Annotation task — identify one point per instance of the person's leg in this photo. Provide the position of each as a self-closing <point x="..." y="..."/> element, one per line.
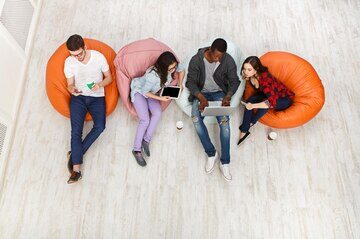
<point x="259" y="113"/>
<point x="78" y="112"/>
<point x="201" y="129"/>
<point x="249" y="116"/>
<point x="142" y="110"/>
<point x="156" y="111"/>
<point x="245" y="126"/>
<point x="224" y="124"/>
<point x="97" y="109"/>
<point x="216" y="96"/>
<point x="283" y="103"/>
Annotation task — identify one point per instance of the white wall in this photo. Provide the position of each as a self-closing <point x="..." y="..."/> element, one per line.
<point x="13" y="66"/>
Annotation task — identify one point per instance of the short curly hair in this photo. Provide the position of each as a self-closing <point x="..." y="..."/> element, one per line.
<point x="219" y="44"/>
<point x="75" y="42"/>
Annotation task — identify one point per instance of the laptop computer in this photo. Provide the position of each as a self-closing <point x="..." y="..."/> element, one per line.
<point x="215" y="109"/>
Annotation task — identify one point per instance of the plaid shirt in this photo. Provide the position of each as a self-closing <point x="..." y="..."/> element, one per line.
<point x="273" y="89"/>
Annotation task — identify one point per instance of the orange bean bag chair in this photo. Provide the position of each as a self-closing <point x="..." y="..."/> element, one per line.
<point x="301" y="78"/>
<point x="56" y="85"/>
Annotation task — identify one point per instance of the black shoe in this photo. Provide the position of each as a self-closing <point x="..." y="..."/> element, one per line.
<point x="69" y="162"/>
<point x="145" y="148"/>
<point x="75" y="176"/>
<point x="139" y="158"/>
<point x="251" y="125"/>
<point x="243" y="138"/>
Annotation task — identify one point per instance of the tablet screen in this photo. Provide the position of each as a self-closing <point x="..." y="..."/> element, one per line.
<point x="171" y="91"/>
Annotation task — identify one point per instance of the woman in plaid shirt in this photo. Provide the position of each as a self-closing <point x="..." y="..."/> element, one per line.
<point x="270" y="93"/>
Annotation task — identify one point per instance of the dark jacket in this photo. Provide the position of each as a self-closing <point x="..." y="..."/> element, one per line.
<point x="225" y="75"/>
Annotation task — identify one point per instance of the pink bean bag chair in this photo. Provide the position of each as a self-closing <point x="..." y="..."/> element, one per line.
<point x="132" y="61"/>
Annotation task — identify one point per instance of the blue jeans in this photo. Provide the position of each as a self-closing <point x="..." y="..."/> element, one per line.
<point x="203" y="134"/>
<point x="79" y="106"/>
<point x="251" y="117"/>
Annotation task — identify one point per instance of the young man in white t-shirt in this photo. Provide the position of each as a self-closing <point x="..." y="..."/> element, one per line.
<point x="87" y="73"/>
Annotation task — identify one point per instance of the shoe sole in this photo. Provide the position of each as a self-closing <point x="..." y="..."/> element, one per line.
<point x="246" y="136"/>
<point x="222" y="174"/>
<point x="211" y="170"/>
<point x="228" y="180"/>
<point x="71" y="182"/>
<point x="144" y="152"/>
<point x="142" y="165"/>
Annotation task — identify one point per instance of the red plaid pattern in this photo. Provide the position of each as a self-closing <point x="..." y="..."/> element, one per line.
<point x="273" y="89"/>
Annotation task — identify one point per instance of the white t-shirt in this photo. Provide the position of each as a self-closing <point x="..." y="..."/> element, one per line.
<point x="87" y="73"/>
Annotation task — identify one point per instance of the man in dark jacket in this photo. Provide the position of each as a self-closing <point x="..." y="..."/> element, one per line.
<point x="212" y="76"/>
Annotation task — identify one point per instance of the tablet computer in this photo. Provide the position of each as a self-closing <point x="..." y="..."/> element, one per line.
<point x="172" y="91"/>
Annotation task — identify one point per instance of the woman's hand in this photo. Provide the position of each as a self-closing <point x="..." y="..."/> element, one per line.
<point x="156" y="97"/>
<point x="165" y="98"/>
<point x="244" y="76"/>
<point x="249" y="106"/>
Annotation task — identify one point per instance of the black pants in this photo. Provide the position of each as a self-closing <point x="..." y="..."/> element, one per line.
<point x="251" y="117"/>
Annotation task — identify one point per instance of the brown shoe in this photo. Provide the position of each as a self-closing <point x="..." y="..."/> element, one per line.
<point x="75" y="176"/>
<point x="69" y="162"/>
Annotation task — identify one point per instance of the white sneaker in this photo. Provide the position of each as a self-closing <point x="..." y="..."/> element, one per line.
<point x="225" y="170"/>
<point x="210" y="163"/>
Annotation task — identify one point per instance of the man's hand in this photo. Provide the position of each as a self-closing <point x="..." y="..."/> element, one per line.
<point x="226" y="101"/>
<point x="203" y="102"/>
<point x="95" y="87"/>
<point x="73" y="90"/>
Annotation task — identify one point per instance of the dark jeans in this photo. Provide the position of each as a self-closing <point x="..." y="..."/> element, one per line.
<point x="79" y="106"/>
<point x="203" y="134"/>
<point x="252" y="116"/>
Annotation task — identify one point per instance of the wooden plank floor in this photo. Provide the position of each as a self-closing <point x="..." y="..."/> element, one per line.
<point x="306" y="184"/>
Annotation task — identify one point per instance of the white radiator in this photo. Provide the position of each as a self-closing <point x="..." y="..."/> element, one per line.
<point x="3" y="130"/>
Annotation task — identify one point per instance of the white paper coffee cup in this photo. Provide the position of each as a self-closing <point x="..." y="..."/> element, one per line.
<point x="179" y="125"/>
<point x="272" y="135"/>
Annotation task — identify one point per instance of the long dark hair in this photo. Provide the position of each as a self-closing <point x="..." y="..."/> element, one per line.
<point x="255" y="62"/>
<point x="162" y="64"/>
